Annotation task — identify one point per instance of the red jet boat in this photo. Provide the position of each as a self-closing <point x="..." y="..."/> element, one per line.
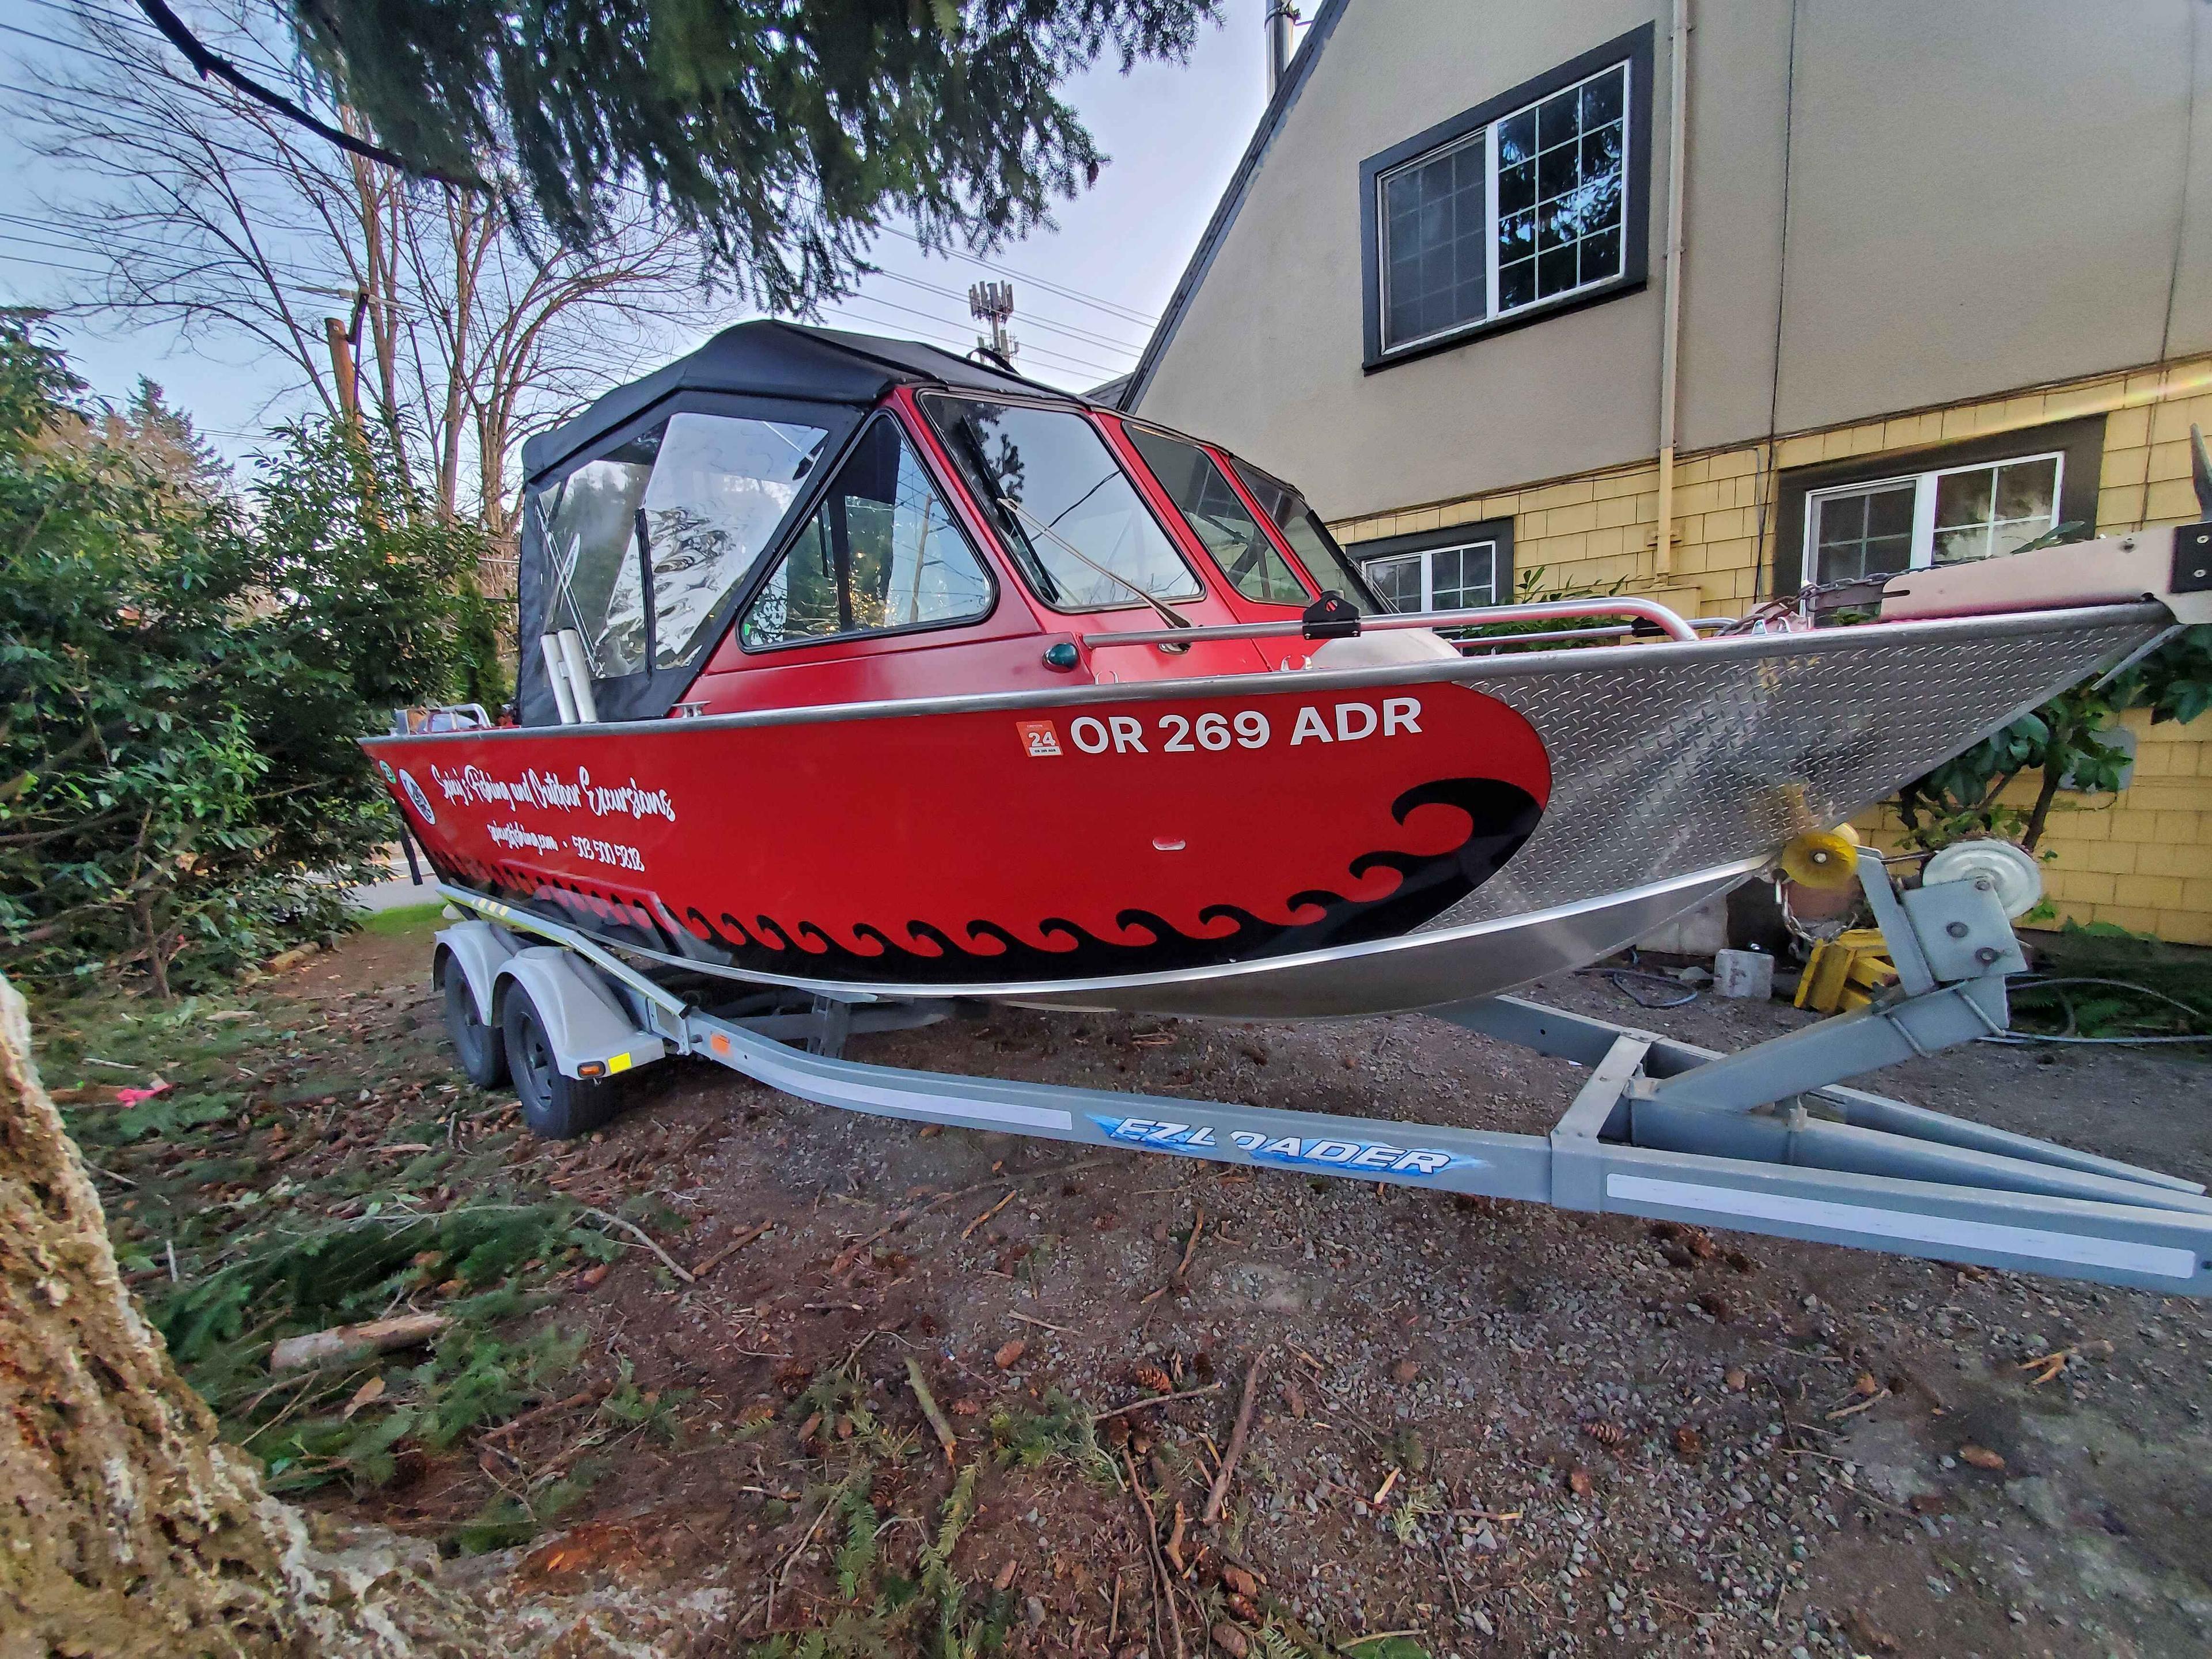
<point x="852" y="665"/>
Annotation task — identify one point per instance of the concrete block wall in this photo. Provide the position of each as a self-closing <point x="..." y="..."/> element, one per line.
<point x="2142" y="860"/>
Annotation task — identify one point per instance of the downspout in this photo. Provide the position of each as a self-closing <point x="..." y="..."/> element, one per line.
<point x="1281" y="15"/>
<point x="1670" y="339"/>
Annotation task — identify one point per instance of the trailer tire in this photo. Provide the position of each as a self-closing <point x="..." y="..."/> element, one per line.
<point x="555" y="1105"/>
<point x="482" y="1049"/>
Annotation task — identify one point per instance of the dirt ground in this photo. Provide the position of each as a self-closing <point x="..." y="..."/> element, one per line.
<point x="1480" y="1428"/>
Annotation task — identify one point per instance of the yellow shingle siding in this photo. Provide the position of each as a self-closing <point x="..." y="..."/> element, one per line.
<point x="2142" y="860"/>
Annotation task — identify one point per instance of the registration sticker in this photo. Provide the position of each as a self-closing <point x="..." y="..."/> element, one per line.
<point x="415" y="793"/>
<point x="1039" y="740"/>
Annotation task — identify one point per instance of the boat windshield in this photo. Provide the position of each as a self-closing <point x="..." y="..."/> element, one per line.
<point x="1062" y="504"/>
<point x="1310" y="538"/>
<point x="1218" y="518"/>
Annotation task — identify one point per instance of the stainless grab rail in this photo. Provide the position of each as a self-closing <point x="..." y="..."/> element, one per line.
<point x="1666" y="620"/>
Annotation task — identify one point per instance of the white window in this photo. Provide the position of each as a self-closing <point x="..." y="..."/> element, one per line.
<point x="1526" y="209"/>
<point x="1863" y="532"/>
<point x="1437" y="578"/>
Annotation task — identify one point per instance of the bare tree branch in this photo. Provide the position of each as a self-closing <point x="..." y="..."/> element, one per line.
<point x="208" y="214"/>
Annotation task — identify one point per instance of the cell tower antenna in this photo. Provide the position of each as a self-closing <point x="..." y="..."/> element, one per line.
<point x="993" y="303"/>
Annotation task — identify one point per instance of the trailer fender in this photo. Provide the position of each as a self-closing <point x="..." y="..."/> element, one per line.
<point x="585" y="1021"/>
<point x="478" y="949"/>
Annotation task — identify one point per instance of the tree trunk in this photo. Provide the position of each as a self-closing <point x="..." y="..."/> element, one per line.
<point x="127" y="1528"/>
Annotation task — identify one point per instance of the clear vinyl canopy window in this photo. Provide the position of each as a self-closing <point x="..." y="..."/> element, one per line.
<point x="589" y="522"/>
<point x="645" y="543"/>
<point x="719" y="489"/>
<point x="1525" y="208"/>
<point x="1950" y="515"/>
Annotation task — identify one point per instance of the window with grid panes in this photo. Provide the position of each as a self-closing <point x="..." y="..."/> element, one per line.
<point x="1526" y="209"/>
<point x="1946" y="515"/>
<point x="1437" y="577"/>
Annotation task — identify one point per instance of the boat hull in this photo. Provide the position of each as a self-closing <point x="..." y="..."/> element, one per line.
<point x="1261" y="846"/>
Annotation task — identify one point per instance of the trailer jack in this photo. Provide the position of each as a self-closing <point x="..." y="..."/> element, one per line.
<point x="1766" y="1141"/>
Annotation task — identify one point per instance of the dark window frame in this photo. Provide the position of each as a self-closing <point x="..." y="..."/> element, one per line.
<point x="2081" y="442"/>
<point x="757" y="581"/>
<point x="1499" y="531"/>
<point x="1635" y="49"/>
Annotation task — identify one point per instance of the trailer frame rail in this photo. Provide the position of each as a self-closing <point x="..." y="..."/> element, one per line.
<point x="1765" y="1140"/>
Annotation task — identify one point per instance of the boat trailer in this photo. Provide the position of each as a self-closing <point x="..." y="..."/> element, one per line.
<point x="1765" y="1140"/>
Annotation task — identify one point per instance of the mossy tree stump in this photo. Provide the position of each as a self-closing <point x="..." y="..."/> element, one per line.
<point x="126" y="1526"/>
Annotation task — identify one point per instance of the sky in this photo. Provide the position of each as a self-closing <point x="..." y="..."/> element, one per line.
<point x="1085" y="293"/>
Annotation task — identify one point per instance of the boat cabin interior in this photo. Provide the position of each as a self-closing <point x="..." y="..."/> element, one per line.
<point x="795" y="516"/>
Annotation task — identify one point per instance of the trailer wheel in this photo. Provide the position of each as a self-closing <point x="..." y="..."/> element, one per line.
<point x="553" y="1105"/>
<point x="482" y="1047"/>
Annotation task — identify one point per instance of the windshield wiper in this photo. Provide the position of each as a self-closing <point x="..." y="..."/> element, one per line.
<point x="1172" y="617"/>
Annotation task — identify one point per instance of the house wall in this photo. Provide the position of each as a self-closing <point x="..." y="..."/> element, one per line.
<point x="2143" y="859"/>
<point x="1906" y="225"/>
<point x="1266" y="359"/>
<point x="1889" y="205"/>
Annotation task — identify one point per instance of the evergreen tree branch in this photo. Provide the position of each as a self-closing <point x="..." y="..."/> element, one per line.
<point x="210" y="63"/>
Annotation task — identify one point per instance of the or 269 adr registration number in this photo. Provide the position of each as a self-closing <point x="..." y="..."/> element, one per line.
<point x="1214" y="731"/>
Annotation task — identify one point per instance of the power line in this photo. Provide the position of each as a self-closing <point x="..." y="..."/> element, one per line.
<point x="1143" y="319"/>
<point x="138" y="26"/>
<point x="1111" y="307"/>
<point x="957" y="346"/>
<point x="48" y="39"/>
<point x="48" y="264"/>
<point x="135" y="242"/>
<point x="304" y="278"/>
<point x="1082" y="334"/>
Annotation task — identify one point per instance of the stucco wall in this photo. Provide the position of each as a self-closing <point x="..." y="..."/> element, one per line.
<point x="1267" y="358"/>
<point x="1980" y="195"/>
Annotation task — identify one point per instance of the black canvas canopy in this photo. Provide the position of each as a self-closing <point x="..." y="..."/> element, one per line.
<point x="647" y="585"/>
<point x="774" y="360"/>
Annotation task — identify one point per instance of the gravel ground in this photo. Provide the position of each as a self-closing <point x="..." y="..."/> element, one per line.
<point x="1495" y="1427"/>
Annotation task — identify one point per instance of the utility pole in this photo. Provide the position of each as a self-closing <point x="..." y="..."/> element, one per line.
<point x="335" y="336"/>
<point x="993" y="303"/>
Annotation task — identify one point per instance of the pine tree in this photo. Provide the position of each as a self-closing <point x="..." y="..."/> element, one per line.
<point x="783" y="132"/>
<point x="165" y="439"/>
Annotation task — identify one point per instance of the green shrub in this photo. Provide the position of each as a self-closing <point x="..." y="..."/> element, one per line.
<point x="184" y="673"/>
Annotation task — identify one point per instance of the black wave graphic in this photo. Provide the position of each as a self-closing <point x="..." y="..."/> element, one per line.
<point x="1501" y="817"/>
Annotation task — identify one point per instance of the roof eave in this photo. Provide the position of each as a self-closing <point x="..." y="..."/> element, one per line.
<point x="1225" y="212"/>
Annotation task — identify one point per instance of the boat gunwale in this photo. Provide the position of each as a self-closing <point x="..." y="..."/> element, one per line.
<point x="1472" y="672"/>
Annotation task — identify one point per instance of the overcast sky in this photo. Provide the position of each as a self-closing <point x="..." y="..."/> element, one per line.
<point x="1174" y="135"/>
